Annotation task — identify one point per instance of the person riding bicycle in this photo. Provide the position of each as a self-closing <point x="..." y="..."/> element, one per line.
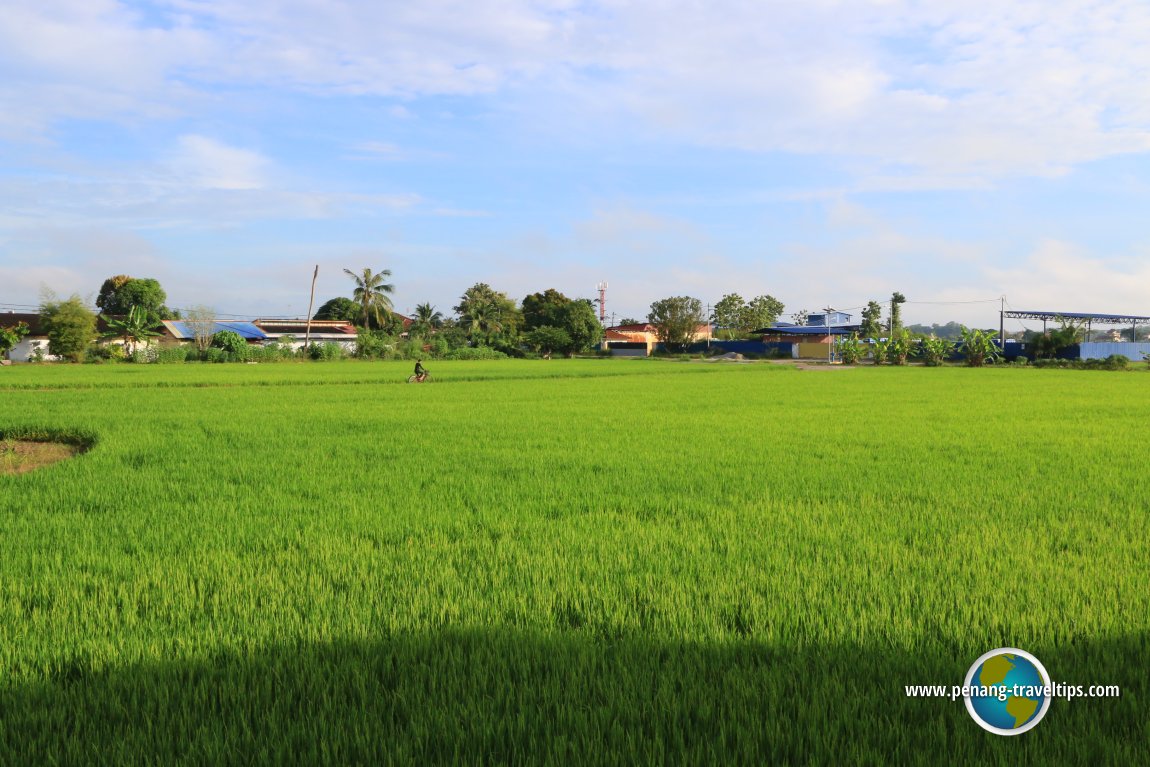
<point x="420" y="370"/>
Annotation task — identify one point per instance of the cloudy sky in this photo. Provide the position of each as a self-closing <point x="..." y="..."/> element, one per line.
<point x="824" y="152"/>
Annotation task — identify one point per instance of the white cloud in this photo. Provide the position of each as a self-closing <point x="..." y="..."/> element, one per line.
<point x="202" y="183"/>
<point x="945" y="89"/>
<point x="91" y="59"/>
<point x="1063" y="276"/>
<point x="210" y="164"/>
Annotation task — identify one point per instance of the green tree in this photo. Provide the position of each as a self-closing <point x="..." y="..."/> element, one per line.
<point x="800" y="317"/>
<point x="135" y="328"/>
<point x="729" y="316"/>
<point x="107" y="296"/>
<point x="339" y="308"/>
<point x="483" y="323"/>
<point x="1052" y="342"/>
<point x="575" y="317"/>
<point x="676" y="320"/>
<point x="69" y="325"/>
<point x="372" y="295"/>
<point x="232" y="343"/>
<point x="871" y="326"/>
<point x="120" y="293"/>
<point x="547" y="339"/>
<point x="896" y="301"/>
<point x="488" y="315"/>
<point x="10" y="336"/>
<point x="581" y="324"/>
<point x="760" y="312"/>
<point x="544" y="308"/>
<point x="426" y="321"/>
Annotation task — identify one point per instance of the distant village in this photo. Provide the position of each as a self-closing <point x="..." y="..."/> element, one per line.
<point x="131" y="322"/>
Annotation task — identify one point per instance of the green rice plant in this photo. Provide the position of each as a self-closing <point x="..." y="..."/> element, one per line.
<point x="573" y="561"/>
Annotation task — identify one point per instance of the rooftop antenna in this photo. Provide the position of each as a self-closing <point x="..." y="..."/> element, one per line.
<point x="602" y="301"/>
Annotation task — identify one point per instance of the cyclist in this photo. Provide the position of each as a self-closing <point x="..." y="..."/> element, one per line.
<point x="420" y="371"/>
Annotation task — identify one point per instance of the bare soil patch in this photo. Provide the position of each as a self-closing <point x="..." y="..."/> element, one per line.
<point x="18" y="456"/>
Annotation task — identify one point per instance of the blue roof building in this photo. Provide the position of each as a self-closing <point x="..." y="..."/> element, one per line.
<point x="181" y="331"/>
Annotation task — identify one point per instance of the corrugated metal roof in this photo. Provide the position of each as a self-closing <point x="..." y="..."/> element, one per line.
<point x="1026" y="314"/>
<point x="298" y="327"/>
<point x="807" y="330"/>
<point x="247" y="330"/>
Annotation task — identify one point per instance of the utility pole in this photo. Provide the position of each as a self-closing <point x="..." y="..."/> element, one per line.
<point x="1002" y="324"/>
<point x="310" y="304"/>
<point x="830" y="339"/>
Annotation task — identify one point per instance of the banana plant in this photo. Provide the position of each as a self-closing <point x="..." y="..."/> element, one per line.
<point x="135" y="328"/>
<point x="978" y="346"/>
<point x="935" y="350"/>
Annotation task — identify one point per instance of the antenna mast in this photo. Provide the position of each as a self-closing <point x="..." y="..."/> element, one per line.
<point x="602" y="302"/>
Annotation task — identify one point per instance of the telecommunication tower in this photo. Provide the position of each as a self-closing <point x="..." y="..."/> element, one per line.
<point x="602" y="301"/>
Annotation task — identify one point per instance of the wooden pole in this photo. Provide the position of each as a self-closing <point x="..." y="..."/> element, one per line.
<point x="310" y="304"/>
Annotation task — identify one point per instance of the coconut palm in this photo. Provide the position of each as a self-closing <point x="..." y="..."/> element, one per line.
<point x="371" y="293"/>
<point x="427" y="319"/>
<point x="482" y="321"/>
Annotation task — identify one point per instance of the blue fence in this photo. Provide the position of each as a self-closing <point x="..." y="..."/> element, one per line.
<point x="757" y="348"/>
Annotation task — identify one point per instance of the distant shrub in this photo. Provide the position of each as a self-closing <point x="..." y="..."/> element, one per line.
<point x="370" y="344"/>
<point x="166" y="355"/>
<point x="475" y="353"/>
<point x="1113" y="362"/>
<point x="1116" y="362"/>
<point x="440" y="347"/>
<point x="100" y="353"/>
<point x="233" y="344"/>
<point x="325" y="352"/>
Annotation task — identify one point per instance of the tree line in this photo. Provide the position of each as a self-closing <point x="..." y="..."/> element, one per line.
<point x="485" y="321"/>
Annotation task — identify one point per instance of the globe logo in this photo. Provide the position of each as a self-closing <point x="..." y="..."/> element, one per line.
<point x="1007" y="691"/>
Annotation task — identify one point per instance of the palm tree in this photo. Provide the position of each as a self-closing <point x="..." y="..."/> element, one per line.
<point x="426" y="319"/>
<point x="371" y="294"/>
<point x="482" y="321"/>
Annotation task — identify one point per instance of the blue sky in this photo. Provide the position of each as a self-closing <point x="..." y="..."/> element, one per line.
<point x="823" y="152"/>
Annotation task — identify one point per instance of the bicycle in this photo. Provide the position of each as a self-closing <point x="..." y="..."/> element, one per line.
<point x="425" y="378"/>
